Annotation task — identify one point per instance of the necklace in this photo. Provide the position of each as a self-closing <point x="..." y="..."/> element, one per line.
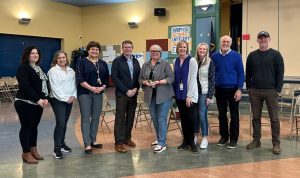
<point x="96" y="65"/>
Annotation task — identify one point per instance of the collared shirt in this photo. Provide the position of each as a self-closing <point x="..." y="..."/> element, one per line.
<point x="62" y="83"/>
<point x="130" y="66"/>
<point x="225" y="53"/>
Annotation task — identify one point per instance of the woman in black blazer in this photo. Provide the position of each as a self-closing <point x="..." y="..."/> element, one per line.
<point x="30" y="101"/>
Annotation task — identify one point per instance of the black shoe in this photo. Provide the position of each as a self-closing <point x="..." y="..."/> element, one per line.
<point x="182" y="146"/>
<point x="97" y="145"/>
<point x="231" y="145"/>
<point x="222" y="142"/>
<point x="66" y="149"/>
<point x="57" y="153"/>
<point x="194" y="148"/>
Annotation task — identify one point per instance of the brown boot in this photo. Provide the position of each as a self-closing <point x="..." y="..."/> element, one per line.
<point x="28" y="158"/>
<point x="276" y="148"/>
<point x="120" y="148"/>
<point x="35" y="154"/>
<point x="130" y="143"/>
<point x="254" y="144"/>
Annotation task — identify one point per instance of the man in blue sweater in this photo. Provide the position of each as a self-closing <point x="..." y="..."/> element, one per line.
<point x="229" y="80"/>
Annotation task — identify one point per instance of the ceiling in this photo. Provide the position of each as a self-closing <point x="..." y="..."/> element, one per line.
<point x="85" y="3"/>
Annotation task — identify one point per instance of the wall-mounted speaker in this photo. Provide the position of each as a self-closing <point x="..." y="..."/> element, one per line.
<point x="159" y="11"/>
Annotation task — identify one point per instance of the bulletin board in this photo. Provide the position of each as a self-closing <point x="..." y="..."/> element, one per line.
<point x="110" y="52"/>
<point x="178" y="33"/>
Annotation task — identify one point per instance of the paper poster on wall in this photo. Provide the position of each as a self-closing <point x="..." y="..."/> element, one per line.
<point x="140" y="57"/>
<point x="110" y="52"/>
<point x="179" y="33"/>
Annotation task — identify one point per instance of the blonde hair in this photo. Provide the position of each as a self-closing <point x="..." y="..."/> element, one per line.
<point x="54" y="61"/>
<point x="179" y="45"/>
<point x="206" y="58"/>
<point x="157" y="47"/>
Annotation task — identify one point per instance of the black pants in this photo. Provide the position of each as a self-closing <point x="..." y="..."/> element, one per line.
<point x="225" y="97"/>
<point x="187" y="116"/>
<point x="62" y="111"/>
<point x="257" y="98"/>
<point x="30" y="117"/>
<point x="125" y="112"/>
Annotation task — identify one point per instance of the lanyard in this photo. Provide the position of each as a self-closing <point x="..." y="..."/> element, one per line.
<point x="96" y="65"/>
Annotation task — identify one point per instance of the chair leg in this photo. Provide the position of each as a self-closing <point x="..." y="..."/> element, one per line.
<point x="296" y="127"/>
<point x="179" y="127"/>
<point x="292" y="126"/>
<point x="102" y="116"/>
<point x="146" y="118"/>
<point x="137" y="116"/>
<point x="106" y="125"/>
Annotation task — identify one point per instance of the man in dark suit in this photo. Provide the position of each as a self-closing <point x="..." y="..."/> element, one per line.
<point x="125" y="72"/>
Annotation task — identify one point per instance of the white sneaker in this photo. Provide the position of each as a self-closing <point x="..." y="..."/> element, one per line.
<point x="159" y="149"/>
<point x="195" y="140"/>
<point x="204" y="143"/>
<point x="154" y="144"/>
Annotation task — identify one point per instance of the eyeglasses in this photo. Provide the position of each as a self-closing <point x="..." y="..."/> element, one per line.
<point x="153" y="51"/>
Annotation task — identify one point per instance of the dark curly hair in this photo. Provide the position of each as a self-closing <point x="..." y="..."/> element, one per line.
<point x="26" y="54"/>
<point x="93" y="44"/>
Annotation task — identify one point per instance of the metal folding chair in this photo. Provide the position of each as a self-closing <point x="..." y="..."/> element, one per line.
<point x="106" y="108"/>
<point x="174" y="118"/>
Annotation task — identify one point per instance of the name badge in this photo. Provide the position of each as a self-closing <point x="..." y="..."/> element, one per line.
<point x="99" y="81"/>
<point x="181" y="86"/>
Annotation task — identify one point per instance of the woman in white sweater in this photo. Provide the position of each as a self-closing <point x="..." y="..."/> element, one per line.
<point x="63" y="94"/>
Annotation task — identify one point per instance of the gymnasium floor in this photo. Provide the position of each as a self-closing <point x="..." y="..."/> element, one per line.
<point x="141" y="162"/>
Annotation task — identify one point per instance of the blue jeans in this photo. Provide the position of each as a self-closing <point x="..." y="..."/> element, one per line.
<point x="202" y="107"/>
<point x="159" y="115"/>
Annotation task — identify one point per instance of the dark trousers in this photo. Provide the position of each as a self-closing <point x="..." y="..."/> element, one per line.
<point x="62" y="111"/>
<point x="30" y="117"/>
<point x="257" y="98"/>
<point x="225" y="97"/>
<point x="187" y="116"/>
<point x="125" y="112"/>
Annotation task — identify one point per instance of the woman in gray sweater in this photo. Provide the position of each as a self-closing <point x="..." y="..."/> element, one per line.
<point x="156" y="78"/>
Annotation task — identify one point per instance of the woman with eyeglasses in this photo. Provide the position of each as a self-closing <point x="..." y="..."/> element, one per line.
<point x="156" y="78"/>
<point x="92" y="79"/>
<point x="30" y="101"/>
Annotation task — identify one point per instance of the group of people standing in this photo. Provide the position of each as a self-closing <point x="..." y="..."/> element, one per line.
<point x="193" y="82"/>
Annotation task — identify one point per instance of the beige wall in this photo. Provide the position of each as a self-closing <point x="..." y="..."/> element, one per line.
<point x="281" y="19"/>
<point x="108" y="23"/>
<point x="225" y="18"/>
<point x="49" y="19"/>
<point x="104" y="23"/>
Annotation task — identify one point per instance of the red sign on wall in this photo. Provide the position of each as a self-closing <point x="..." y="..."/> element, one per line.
<point x="246" y="36"/>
